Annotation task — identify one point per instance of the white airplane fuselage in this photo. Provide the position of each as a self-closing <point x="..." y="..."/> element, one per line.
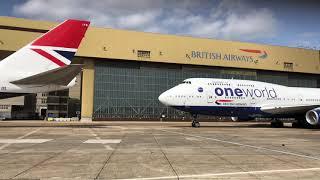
<point x="241" y="98"/>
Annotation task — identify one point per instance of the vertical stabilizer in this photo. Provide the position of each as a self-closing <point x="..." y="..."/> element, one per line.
<point x="54" y="49"/>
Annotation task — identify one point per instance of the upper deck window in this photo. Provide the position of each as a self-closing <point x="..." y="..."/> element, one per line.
<point x="186" y="82"/>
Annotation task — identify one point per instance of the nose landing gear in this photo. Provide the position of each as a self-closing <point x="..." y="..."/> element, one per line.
<point x="195" y="123"/>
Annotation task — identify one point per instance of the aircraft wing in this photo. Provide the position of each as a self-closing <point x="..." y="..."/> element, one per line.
<point x="285" y="109"/>
<point x="59" y="76"/>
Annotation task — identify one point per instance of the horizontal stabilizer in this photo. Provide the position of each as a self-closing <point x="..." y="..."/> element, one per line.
<point x="61" y="76"/>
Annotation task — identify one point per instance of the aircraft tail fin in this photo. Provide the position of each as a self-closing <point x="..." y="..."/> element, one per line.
<point x="54" y="49"/>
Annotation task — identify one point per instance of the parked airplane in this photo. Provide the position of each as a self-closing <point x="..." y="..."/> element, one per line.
<point x="244" y="99"/>
<point x="44" y="64"/>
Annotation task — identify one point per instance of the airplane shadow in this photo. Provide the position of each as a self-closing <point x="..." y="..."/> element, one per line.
<point x="245" y="126"/>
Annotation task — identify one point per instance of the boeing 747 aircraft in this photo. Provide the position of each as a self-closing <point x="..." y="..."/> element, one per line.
<point x="243" y="99"/>
<point x="44" y="64"/>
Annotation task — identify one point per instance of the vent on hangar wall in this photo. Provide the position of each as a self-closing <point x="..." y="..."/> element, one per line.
<point x="144" y="54"/>
<point x="288" y="66"/>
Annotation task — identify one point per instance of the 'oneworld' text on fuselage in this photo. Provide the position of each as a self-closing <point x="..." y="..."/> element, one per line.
<point x="259" y="93"/>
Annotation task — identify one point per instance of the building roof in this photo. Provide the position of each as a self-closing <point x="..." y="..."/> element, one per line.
<point x="107" y="43"/>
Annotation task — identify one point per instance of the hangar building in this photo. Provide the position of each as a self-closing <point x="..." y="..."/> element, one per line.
<point x="125" y="71"/>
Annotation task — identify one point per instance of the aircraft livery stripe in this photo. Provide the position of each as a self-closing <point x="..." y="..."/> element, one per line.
<point x="225" y="100"/>
<point x="49" y="56"/>
<point x="251" y="50"/>
<point x="67" y="54"/>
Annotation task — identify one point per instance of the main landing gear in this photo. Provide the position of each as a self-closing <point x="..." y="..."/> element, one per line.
<point x="302" y="123"/>
<point x="195" y="123"/>
<point x="297" y="124"/>
<point x="275" y="123"/>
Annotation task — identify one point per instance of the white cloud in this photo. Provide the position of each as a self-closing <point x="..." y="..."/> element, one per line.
<point x="138" y="19"/>
<point x="308" y="40"/>
<point x="307" y="43"/>
<point x="225" y="19"/>
<point x="254" y="24"/>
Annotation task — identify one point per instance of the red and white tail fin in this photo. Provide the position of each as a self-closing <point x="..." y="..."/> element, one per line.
<point x="54" y="49"/>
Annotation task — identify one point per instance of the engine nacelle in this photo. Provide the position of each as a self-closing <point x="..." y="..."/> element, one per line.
<point x="313" y="116"/>
<point x="234" y="119"/>
<point x="239" y="119"/>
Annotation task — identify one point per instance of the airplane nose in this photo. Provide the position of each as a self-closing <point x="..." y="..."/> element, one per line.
<point x="162" y="98"/>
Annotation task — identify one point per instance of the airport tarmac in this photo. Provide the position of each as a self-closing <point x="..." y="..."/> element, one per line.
<point x="154" y="150"/>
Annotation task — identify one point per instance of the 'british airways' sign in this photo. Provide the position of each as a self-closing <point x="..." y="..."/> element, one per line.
<point x="253" y="56"/>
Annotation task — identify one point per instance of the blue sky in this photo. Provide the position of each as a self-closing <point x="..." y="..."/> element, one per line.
<point x="287" y="22"/>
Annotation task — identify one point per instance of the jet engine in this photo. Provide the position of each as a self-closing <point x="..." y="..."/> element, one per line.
<point x="234" y="119"/>
<point x="239" y="119"/>
<point x="313" y="116"/>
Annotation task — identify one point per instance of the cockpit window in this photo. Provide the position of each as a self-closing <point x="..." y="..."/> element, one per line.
<point x="186" y="82"/>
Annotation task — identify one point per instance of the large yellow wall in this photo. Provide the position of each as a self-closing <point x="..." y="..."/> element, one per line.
<point x="121" y="44"/>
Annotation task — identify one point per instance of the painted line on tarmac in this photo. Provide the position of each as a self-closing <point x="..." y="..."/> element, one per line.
<point x="28" y="134"/>
<point x="21" y="137"/>
<point x="166" y="128"/>
<point x="103" y="141"/>
<point x="192" y="139"/>
<point x="246" y="145"/>
<point x="228" y="174"/>
<point x="22" y="141"/>
<point x="116" y="127"/>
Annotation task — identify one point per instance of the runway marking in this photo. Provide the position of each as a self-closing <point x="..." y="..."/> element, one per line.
<point x="161" y="128"/>
<point x="246" y="145"/>
<point x="117" y="127"/>
<point x="192" y="139"/>
<point x="227" y="174"/>
<point x="103" y="141"/>
<point x="108" y="147"/>
<point x="28" y="134"/>
<point x="21" y="141"/>
<point x="21" y="137"/>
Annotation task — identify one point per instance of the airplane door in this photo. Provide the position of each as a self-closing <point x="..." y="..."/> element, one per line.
<point x="300" y="99"/>
<point x="185" y="101"/>
<point x="209" y="98"/>
<point x="253" y="101"/>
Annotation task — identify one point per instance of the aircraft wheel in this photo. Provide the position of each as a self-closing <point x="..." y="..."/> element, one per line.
<point x="197" y="124"/>
<point x="306" y="125"/>
<point x="302" y="123"/>
<point x="296" y="125"/>
<point x="193" y="124"/>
